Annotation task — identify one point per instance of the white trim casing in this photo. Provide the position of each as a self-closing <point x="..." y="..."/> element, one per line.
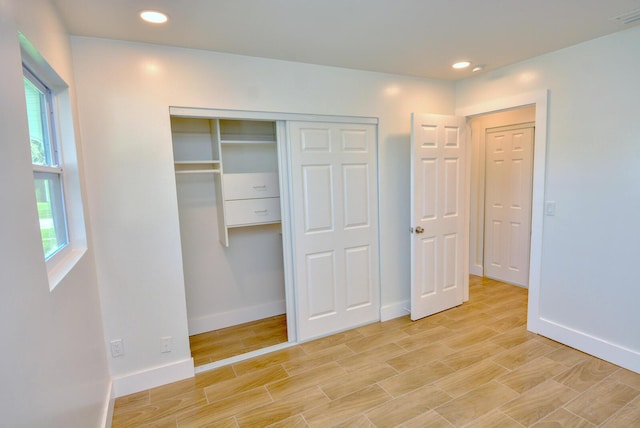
<point x="540" y="100"/>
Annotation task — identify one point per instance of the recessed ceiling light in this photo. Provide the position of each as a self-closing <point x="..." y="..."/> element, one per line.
<point x="461" y="64"/>
<point x="154" y="16"/>
<point x="478" y="68"/>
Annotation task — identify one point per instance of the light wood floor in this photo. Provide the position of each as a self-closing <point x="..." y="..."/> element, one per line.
<point x="474" y="365"/>
<point x="229" y="342"/>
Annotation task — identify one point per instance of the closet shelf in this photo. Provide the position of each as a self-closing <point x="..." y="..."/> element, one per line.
<point x="198" y="171"/>
<point x="247" y="141"/>
<point x="197" y="167"/>
<point x="197" y="162"/>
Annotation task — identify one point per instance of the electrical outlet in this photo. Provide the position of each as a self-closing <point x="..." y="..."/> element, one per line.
<point x="166" y="343"/>
<point x="117" y="350"/>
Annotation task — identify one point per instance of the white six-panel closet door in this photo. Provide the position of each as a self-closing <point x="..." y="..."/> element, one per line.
<point x="335" y="230"/>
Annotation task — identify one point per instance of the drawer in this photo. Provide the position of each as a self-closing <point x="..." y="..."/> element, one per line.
<point x="249" y="186"/>
<point x="252" y="211"/>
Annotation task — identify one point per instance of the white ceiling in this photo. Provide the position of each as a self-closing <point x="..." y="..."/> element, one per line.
<point x="411" y="37"/>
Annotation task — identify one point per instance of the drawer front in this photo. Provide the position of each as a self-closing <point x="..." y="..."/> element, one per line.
<point x="252" y="211"/>
<point x="249" y="186"/>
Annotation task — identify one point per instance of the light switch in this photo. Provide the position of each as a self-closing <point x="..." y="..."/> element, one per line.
<point x="550" y="208"/>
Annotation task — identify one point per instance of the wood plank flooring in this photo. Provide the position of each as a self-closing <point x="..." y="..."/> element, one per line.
<point x="472" y="366"/>
<point x="237" y="340"/>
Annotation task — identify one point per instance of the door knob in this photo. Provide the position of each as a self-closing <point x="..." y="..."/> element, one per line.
<point x="419" y="229"/>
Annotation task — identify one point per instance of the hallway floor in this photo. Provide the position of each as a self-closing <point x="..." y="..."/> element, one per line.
<point x="472" y="366"/>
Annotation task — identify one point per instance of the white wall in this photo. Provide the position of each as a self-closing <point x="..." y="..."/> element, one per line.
<point x="479" y="126"/>
<point x="125" y="90"/>
<point x="54" y="371"/>
<point x="588" y="290"/>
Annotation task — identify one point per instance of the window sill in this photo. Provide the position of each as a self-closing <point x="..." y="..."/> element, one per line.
<point x="64" y="266"/>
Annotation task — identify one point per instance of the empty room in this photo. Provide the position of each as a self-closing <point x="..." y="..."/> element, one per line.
<point x="338" y="213"/>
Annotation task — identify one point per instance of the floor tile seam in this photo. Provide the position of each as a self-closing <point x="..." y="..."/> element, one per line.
<point x="291" y="373"/>
<point x="456" y="372"/>
<point x="267" y="385"/>
<point x="520" y="395"/>
<point x="245" y="391"/>
<point x="581" y="394"/>
<point x="235" y="419"/>
<point x="614" y="414"/>
<point x="517" y="392"/>
<point x="444" y="417"/>
<point x="159" y="402"/>
<point x="483" y="341"/>
<point x="391" y="397"/>
<point x="150" y="424"/>
<point x="579" y="391"/>
<point x="433" y="385"/>
<point x="274" y="401"/>
<point x="506" y="351"/>
<point x="118" y="412"/>
<point x="408" y="421"/>
<point x="524" y="364"/>
<point x="544" y="341"/>
<point x="147" y="400"/>
<point x="566" y="409"/>
<point x="384" y="389"/>
<point x="620" y="381"/>
<point x="304" y="419"/>
<point x="251" y="373"/>
<point x="174" y="414"/>
<point x="497" y="410"/>
<point x="500" y="378"/>
<point x="369" y="384"/>
<point x="509" y="417"/>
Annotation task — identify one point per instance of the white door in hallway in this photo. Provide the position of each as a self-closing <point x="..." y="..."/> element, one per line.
<point x="439" y="192"/>
<point x="508" y="191"/>
<point x="335" y="221"/>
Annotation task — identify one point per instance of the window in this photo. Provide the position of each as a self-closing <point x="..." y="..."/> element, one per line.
<point x="56" y="178"/>
<point x="48" y="170"/>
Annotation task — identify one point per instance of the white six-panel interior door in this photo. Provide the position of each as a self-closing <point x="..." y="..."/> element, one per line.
<point x="335" y="226"/>
<point x="439" y="189"/>
<point x="508" y="192"/>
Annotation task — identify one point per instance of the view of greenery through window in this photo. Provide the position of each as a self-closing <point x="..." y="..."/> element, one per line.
<point x="47" y="173"/>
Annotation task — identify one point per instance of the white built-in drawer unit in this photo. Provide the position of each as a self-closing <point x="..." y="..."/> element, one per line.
<point x="251" y="198"/>
<point x="250" y="186"/>
<point x="246" y="212"/>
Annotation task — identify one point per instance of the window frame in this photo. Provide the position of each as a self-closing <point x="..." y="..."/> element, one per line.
<point x="62" y="262"/>
<point x="53" y="169"/>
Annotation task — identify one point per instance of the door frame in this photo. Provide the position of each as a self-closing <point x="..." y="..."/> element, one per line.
<point x="539" y="99"/>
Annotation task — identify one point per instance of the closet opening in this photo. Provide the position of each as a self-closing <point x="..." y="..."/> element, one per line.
<point x="228" y="191"/>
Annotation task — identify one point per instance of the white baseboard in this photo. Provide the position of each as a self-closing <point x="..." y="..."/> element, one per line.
<point x="235" y="317"/>
<point x="156" y="376"/>
<point x="107" y="408"/>
<point x="611" y="352"/>
<point x="394" y="310"/>
<point x="476" y="270"/>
